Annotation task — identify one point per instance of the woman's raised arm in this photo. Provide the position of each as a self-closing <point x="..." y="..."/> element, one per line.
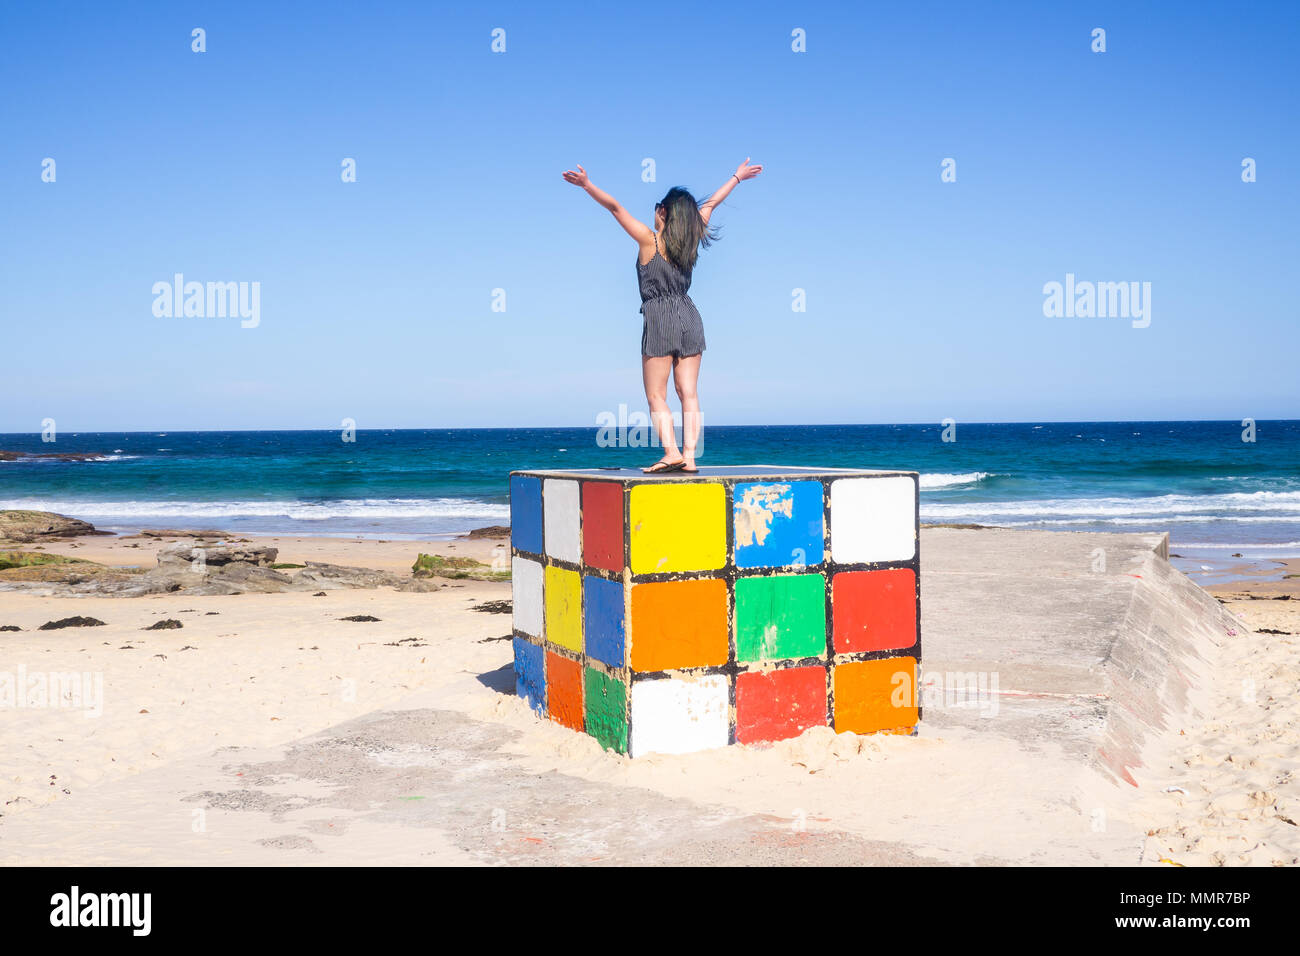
<point x="743" y="171"/>
<point x="633" y="226"/>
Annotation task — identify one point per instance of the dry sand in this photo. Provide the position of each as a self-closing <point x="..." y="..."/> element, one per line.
<point x="247" y="670"/>
<point x="266" y="671"/>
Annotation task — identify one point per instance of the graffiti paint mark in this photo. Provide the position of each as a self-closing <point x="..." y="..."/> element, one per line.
<point x="756" y="508"/>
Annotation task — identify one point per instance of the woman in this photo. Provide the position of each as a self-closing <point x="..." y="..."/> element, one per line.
<point x="672" y="337"/>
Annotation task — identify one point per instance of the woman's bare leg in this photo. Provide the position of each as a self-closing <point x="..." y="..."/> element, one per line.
<point x="654" y="373"/>
<point x="686" y="372"/>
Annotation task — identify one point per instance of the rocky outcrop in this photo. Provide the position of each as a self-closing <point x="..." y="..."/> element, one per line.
<point x="186" y="533"/>
<point x="56" y="456"/>
<point x="25" y="527"/>
<point x="225" y="569"/>
<point x="74" y="578"/>
<point x="199" y="568"/>
<point x="493" y="531"/>
<point x="39" y="567"/>
<point x="192" y="556"/>
<point x="317" y="575"/>
<point x="30" y="559"/>
<point x="439" y="566"/>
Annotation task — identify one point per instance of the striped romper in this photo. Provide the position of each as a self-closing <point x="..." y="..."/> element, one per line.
<point x="672" y="323"/>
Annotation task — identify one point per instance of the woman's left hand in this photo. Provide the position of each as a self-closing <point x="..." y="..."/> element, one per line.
<point x="578" y="179"/>
<point x="746" y="171"/>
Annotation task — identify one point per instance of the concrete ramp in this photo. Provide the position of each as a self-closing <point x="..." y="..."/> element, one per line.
<point x="1094" y="641"/>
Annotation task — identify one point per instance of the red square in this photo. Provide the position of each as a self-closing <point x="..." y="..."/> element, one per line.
<point x="874" y="610"/>
<point x="602" y="524"/>
<point x="564" y="691"/>
<point x="776" y="705"/>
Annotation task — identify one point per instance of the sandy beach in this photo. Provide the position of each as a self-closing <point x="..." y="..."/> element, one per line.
<point x="191" y="718"/>
<point x="681" y="489"/>
<point x="1229" y="790"/>
<point x="242" y="670"/>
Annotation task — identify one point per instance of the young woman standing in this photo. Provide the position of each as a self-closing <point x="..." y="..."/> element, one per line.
<point x="672" y="336"/>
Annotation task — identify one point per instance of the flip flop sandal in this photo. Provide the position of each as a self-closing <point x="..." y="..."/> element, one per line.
<point x="690" y="471"/>
<point x="661" y="467"/>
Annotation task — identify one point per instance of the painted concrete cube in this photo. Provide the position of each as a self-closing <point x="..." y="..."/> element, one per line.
<point x="673" y="613"/>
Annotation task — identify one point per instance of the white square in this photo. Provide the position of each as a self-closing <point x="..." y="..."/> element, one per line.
<point x="526" y="596"/>
<point x="560" y="520"/>
<point x="873" y="519"/>
<point x="679" y="715"/>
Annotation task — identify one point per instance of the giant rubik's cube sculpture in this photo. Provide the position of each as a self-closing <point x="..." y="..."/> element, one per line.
<point x="742" y="604"/>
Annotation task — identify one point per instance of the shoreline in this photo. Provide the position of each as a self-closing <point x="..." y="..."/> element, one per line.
<point x="1207" y="569"/>
<point x="1221" y="573"/>
<point x="1233" y="576"/>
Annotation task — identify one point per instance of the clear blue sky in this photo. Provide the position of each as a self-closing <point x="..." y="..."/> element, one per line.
<point x="924" y="298"/>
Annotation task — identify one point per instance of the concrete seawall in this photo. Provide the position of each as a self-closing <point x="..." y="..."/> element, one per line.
<point x="1097" y="642"/>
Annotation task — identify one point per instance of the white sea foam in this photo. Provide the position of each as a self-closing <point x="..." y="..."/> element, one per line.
<point x="1277" y="504"/>
<point x="942" y="480"/>
<point x="39" y="458"/>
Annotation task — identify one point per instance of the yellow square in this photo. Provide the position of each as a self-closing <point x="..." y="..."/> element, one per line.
<point x="564" y="608"/>
<point x="678" y="527"/>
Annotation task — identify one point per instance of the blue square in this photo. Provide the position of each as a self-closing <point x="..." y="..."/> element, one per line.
<point x="530" y="674"/>
<point x="778" y="524"/>
<point x="526" y="513"/>
<point x="602" y="619"/>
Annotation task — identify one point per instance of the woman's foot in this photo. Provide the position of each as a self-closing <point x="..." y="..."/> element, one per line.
<point x="665" y="464"/>
<point x="688" y="462"/>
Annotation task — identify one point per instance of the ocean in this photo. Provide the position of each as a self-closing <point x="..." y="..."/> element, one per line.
<point x="1215" y="493"/>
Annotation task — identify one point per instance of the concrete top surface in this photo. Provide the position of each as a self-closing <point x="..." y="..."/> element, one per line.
<point x="712" y="471"/>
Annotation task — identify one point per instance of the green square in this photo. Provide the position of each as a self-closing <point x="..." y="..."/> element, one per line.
<point x="780" y="617"/>
<point x="606" y="710"/>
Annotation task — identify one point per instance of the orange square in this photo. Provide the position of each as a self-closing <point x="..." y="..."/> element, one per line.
<point x="564" y="691"/>
<point x="876" y="696"/>
<point x="677" y="624"/>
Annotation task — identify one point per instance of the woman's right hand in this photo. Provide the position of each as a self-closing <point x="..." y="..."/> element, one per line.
<point x="578" y="179"/>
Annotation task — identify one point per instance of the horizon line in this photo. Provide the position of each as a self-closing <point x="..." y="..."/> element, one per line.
<point x="588" y="427"/>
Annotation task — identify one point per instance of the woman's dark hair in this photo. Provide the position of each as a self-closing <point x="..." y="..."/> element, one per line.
<point x="684" y="229"/>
